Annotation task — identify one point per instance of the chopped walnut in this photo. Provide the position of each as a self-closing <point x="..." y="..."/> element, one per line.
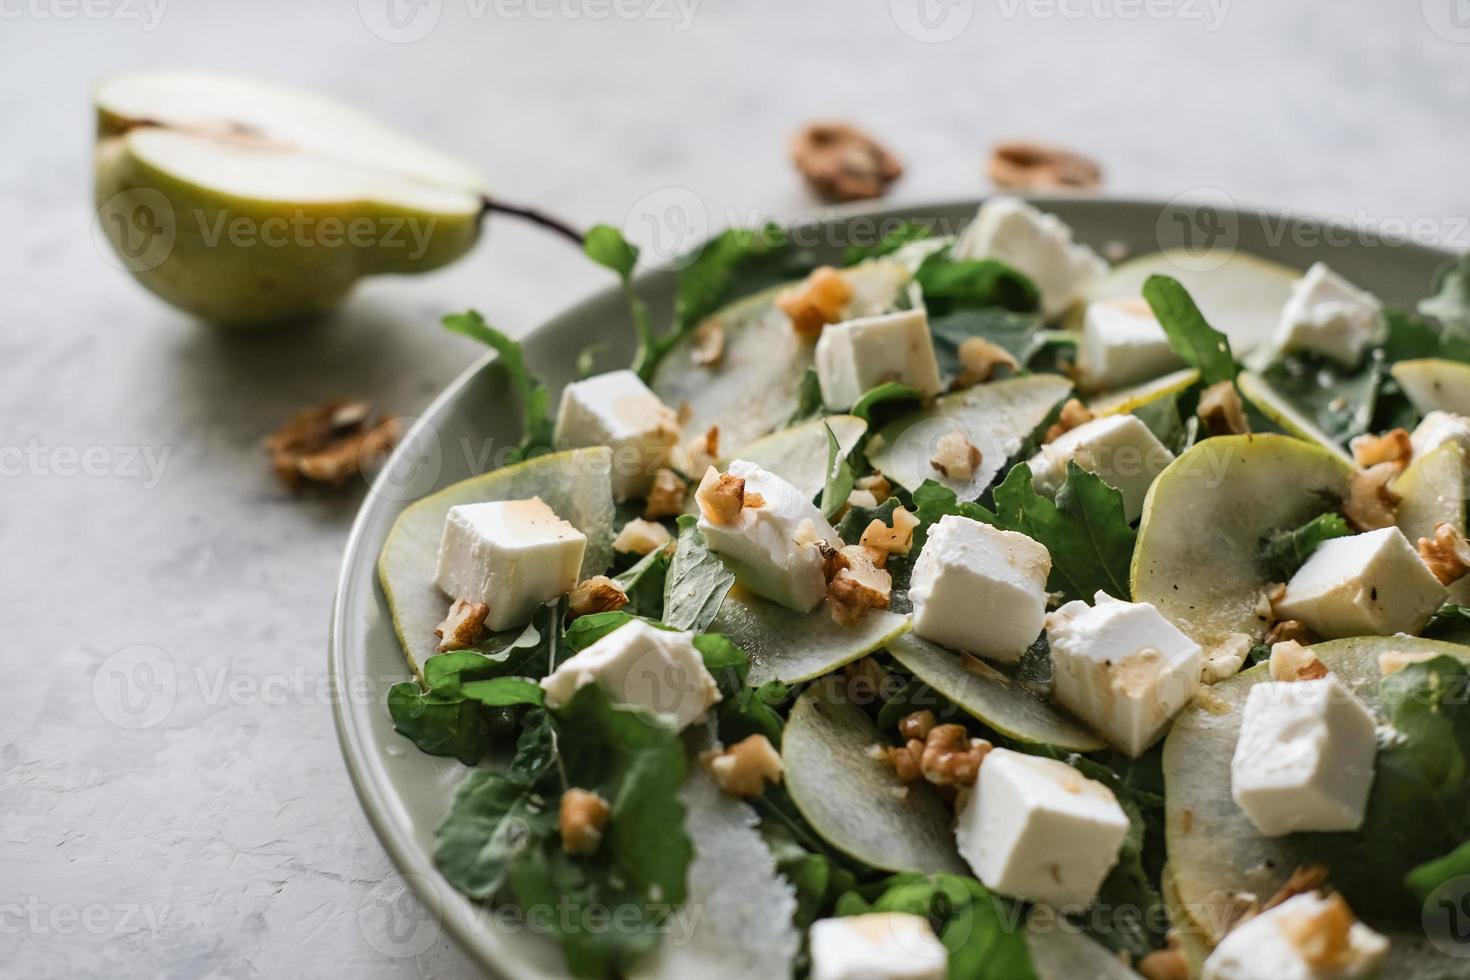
<point x="951" y="757"/>
<point x="897" y="539"/>
<point x="1074" y="414"/>
<point x="1024" y="165"/>
<point x="330" y="443"/>
<point x="1221" y="410"/>
<point x="708" y="347"/>
<point x="1307" y="878"/>
<point x="1290" y="661"/>
<point x="842" y="163"/>
<point x="857" y="584"/>
<point x="979" y="360"/>
<point x="597" y="594"/>
<point x="906" y="760"/>
<point x="642" y="537"/>
<point x="702" y="451"/>
<point x="720" y="496"/>
<point x="917" y="725"/>
<point x="1289" y="630"/>
<point x="583" y="815"/>
<point x="877" y="484"/>
<point x="955" y="457"/>
<point x="463" y="627"/>
<point x="1164" y="964"/>
<point x="1447" y="554"/>
<point x="1322" y="937"/>
<point x="1371" y="505"/>
<point x="666" y="496"/>
<point x="746" y="767"/>
<point x="1391" y="447"/>
<point x="820" y="300"/>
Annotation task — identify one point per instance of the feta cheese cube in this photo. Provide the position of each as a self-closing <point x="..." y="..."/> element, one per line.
<point x="1122" y="668"/>
<point x="1304" y="759"/>
<point x="856" y="355"/>
<point x="1372" y="584"/>
<point x="643" y="666"/>
<point x="1306" y="937"/>
<point x="1038" y="829"/>
<point x="1439" y="428"/>
<point x="1119" y="449"/>
<point x="979" y="589"/>
<point x="619" y="411"/>
<point x="774" y="549"/>
<point x="1009" y="230"/>
<point x="512" y="555"/>
<point x="1122" y="344"/>
<point x="1325" y="314"/>
<point x="877" y="946"/>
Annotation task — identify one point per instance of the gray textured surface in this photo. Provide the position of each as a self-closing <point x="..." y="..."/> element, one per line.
<point x="172" y="801"/>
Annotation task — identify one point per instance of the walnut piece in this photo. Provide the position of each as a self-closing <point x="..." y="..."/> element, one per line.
<point x="1221" y="410"/>
<point x="955" y="457"/>
<point x="945" y="755"/>
<point x="979" y="360"/>
<point x="1290" y="661"/>
<point x="463" y="627"/>
<point x="1371" y="505"/>
<point x="1289" y="629"/>
<point x="818" y="301"/>
<point x="842" y="163"/>
<point x="708" y="347"/>
<point x="862" y="498"/>
<point x="702" y="451"/>
<point x="857" y="583"/>
<point x="666" y="496"/>
<point x="597" y="594"/>
<point x="642" y="537"/>
<point x="877" y="484"/>
<point x="1391" y="447"/>
<point x="917" y="725"/>
<point x="1447" y="554"/>
<point x="1073" y="414"/>
<point x="330" y="443"/>
<point x="583" y="815"/>
<point x="1024" y="165"/>
<point x="897" y="539"/>
<point x="721" y="496"/>
<point x="746" y="767"/>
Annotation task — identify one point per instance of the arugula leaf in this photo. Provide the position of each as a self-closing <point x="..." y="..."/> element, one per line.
<point x="973" y="284"/>
<point x="536" y="419"/>
<point x="1423" y="880"/>
<point x="587" y="630"/>
<point x="885" y="393"/>
<point x="839" y="477"/>
<point x="1340" y="402"/>
<point x="808" y="398"/>
<point x="737" y="262"/>
<point x="440" y="725"/>
<point x="494" y="822"/>
<point x="697" y="580"/>
<point x="1287" y="551"/>
<point x="643" y="583"/>
<point x="890" y="242"/>
<point x="606" y="246"/>
<point x="1450" y="623"/>
<point x="504" y="692"/>
<point x="1021" y="334"/>
<point x="753" y="711"/>
<point x="725" y="661"/>
<point x="933" y="501"/>
<point x="1193" y="339"/>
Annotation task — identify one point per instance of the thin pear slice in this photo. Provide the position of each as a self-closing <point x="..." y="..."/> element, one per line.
<point x="1198" y="557"/>
<point x="1060" y="952"/>
<point x="1214" y="850"/>
<point x="996" y="418"/>
<point x="1433" y="491"/>
<point x="575" y="484"/>
<point x="1261" y="394"/>
<point x="798" y="455"/>
<point x="250" y="203"/>
<point x="793" y="647"/>
<point x="997" y="699"/>
<point x="1435" y="385"/>
<point x="1240" y="294"/>
<point x="1127" y="399"/>
<point x="853" y="800"/>
<point x="753" y="388"/>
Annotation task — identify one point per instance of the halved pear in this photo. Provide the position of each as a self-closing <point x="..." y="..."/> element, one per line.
<point x="798" y="455"/>
<point x="1434" y="385"/>
<point x="1259" y="392"/>
<point x="1198" y="557"/>
<point x="1433" y="491"/>
<point x="1127" y="399"/>
<point x="793" y="647"/>
<point x="249" y="203"/>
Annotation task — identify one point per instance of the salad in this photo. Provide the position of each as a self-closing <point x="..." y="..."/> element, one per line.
<point x="973" y="609"/>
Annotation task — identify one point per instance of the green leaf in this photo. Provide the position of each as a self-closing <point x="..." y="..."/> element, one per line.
<point x="606" y="246"/>
<point x="839" y="478"/>
<point x="754" y="711"/>
<point x="1020" y="334"/>
<point x="1190" y="335"/>
<point x="850" y="529"/>
<point x="725" y="661"/>
<point x="493" y="823"/>
<point x="535" y="400"/>
<point x="973" y="284"/>
<point x="808" y="399"/>
<point x="587" y="630"/>
<point x="933" y="501"/>
<point x="697" y="581"/>
<point x="890" y="242"/>
<point x="1287" y="551"/>
<point x="737" y="262"/>
<point x="1423" y="880"/>
<point x="643" y="583"/>
<point x="1340" y="402"/>
<point x="885" y="393"/>
<point x="450" y="726"/>
<point x="504" y="692"/>
<point x="1451" y="623"/>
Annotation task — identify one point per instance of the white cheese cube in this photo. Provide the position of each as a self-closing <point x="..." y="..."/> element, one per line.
<point x="1119" y="449"/>
<point x="1439" y="428"/>
<point x="512" y="555"/>
<point x="1304" y="759"/>
<point x="1291" y="941"/>
<point x="1009" y="230"/>
<point x="643" y="666"/>
<point x="1122" y="668"/>
<point x="1372" y="584"/>
<point x="617" y="410"/>
<point x="855" y="356"/>
<point x="877" y="946"/>
<point x="979" y="589"/>
<point x="1038" y="829"/>
<point x="1122" y="344"/>
<point x="774" y="549"/>
<point x="1325" y="314"/>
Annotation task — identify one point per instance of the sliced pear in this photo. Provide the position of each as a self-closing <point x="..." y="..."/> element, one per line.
<point x="1435" y="385"/>
<point x="1240" y="294"/>
<point x="999" y="700"/>
<point x="249" y="203"/>
<point x="1127" y="399"/>
<point x="753" y="388"/>
<point x="1214" y="850"/>
<point x="996" y="418"/>
<point x="793" y="647"/>
<point x="1060" y="952"/>
<point x="575" y="484"/>
<point x="798" y="455"/>
<point x="1259" y="392"/>
<point x="1198" y="557"/>
<point x="1433" y="491"/>
<point x="853" y="800"/>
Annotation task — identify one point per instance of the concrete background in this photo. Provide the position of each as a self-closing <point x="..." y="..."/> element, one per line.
<point x="172" y="801"/>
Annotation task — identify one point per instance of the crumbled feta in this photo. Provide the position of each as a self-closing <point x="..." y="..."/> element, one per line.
<point x="1119" y="449"/>
<point x="979" y="589"/>
<point x="1122" y="668"/>
<point x="774" y="549"/>
<point x="1037" y="829"/>
<point x="1306" y="937"/>
<point x="1040" y="245"/>
<point x="1122" y="343"/>
<point x="1439" y="428"/>
<point x="1325" y="314"/>
<point x="619" y="411"/>
<point x="1372" y="584"/>
<point x="512" y="555"/>
<point x="641" y="665"/>
<point x="877" y="946"/>
<point x="856" y="355"/>
<point x="1304" y="760"/>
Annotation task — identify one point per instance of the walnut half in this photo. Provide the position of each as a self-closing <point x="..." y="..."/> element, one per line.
<point x="842" y="163"/>
<point x="1371" y="505"/>
<point x="595" y="595"/>
<point x="1447" y="554"/>
<point x="582" y="817"/>
<point x="330" y="443"/>
<point x="463" y="627"/>
<point x="1024" y="165"/>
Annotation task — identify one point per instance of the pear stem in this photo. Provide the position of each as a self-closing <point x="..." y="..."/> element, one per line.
<point x="534" y="216"/>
